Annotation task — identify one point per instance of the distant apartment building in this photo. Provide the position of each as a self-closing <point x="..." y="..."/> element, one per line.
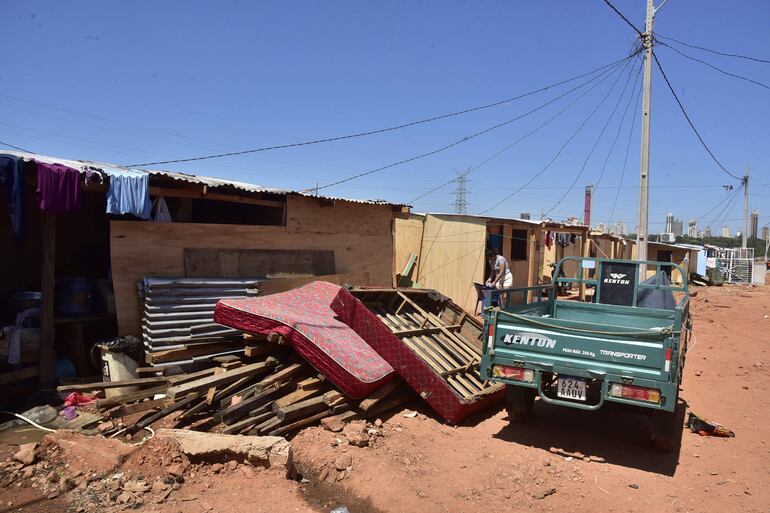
<point x="692" y="228"/>
<point x="620" y="229"/>
<point x="677" y="227"/>
<point x="754" y="224"/>
<point x="707" y="231"/>
<point x="601" y="227"/>
<point x="525" y="215"/>
<point x="669" y="223"/>
<point x="766" y="233"/>
<point x="725" y="231"/>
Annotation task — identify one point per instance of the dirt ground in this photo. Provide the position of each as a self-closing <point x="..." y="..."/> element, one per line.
<point x="561" y="460"/>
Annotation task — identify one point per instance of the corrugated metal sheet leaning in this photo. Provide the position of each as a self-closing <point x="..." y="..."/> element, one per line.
<point x="178" y="314"/>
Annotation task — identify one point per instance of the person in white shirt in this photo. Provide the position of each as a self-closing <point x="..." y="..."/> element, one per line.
<point x="500" y="275"/>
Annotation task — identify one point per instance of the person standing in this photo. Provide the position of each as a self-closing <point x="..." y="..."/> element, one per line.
<point x="500" y="275"/>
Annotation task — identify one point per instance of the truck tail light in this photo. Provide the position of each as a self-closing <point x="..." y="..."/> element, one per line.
<point x="515" y="373"/>
<point x="635" y="393"/>
<point x="667" y="365"/>
<point x="491" y="338"/>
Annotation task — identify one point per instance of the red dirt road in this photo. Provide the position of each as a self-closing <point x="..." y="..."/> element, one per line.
<point x="430" y="467"/>
<point x="486" y="465"/>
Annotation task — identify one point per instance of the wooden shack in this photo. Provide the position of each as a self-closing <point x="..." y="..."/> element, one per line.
<point x="450" y="251"/>
<point x="218" y="227"/>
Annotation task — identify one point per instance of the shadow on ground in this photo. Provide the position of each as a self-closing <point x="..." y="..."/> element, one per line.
<point x="621" y="437"/>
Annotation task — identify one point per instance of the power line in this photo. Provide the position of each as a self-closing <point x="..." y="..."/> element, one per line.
<point x="593" y="148"/>
<point x="601" y="78"/>
<point x="765" y="61"/>
<point x="689" y="121"/>
<point x="442" y="148"/>
<point x="625" y="159"/>
<point x="623" y="17"/>
<point x="620" y="126"/>
<point x="690" y="57"/>
<point x="380" y="130"/>
<point x="728" y="204"/>
<point x="16" y="147"/>
<point x="715" y="206"/>
<point x="561" y="149"/>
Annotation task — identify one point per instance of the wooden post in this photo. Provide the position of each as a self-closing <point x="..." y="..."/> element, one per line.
<point x="507" y="241"/>
<point x="533" y="261"/>
<point x="585" y="249"/>
<point x="47" y="288"/>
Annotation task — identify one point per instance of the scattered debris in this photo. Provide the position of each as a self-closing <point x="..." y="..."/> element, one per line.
<point x="707" y="428"/>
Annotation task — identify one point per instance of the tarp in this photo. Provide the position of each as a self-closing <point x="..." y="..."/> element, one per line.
<point x="656" y="298"/>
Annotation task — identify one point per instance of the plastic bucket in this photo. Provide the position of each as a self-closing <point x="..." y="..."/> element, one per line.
<point x="75" y="296"/>
<point x="117" y="366"/>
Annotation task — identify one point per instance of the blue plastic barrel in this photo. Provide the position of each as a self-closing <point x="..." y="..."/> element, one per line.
<point x="75" y="296"/>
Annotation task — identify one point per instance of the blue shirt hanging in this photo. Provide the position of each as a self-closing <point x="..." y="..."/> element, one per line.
<point x="128" y="193"/>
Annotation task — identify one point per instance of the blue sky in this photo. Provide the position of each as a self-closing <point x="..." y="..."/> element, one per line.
<point x="131" y="82"/>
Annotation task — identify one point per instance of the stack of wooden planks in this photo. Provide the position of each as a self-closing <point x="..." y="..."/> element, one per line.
<point x="269" y="390"/>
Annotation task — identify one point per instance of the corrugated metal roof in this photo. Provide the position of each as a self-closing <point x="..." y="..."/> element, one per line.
<point x="86" y="165"/>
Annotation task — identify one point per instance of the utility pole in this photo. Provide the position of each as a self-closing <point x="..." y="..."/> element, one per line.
<point x="644" y="164"/>
<point x="587" y="206"/>
<point x="745" y="208"/>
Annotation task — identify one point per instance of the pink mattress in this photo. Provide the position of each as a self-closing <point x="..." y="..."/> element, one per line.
<point x="304" y="317"/>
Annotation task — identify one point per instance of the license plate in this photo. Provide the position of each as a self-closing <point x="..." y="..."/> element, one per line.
<point x="571" y="388"/>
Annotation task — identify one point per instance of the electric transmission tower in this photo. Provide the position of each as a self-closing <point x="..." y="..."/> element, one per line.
<point x="461" y="205"/>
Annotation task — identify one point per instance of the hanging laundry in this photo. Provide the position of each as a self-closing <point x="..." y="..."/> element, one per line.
<point x="12" y="178"/>
<point x="572" y="238"/>
<point x="160" y="211"/>
<point x="58" y="187"/>
<point x="548" y="240"/>
<point x="129" y="193"/>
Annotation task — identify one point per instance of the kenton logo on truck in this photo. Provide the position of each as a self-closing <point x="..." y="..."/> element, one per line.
<point x="528" y="339"/>
<point x="617" y="278"/>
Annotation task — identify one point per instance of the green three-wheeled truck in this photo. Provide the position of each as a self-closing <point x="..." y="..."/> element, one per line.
<point x="626" y="346"/>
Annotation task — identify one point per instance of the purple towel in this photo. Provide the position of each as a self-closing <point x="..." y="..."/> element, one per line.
<point x="58" y="187"/>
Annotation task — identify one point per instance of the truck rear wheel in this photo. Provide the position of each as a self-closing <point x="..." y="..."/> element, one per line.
<point x="519" y="402"/>
<point x="666" y="429"/>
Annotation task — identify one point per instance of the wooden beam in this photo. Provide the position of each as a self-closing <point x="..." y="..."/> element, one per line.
<point x="282" y="375"/>
<point x="293" y="398"/>
<point x="301" y="409"/>
<point x="47" y="287"/>
<point x="130" y="409"/>
<point x="130" y="398"/>
<point x="378" y="395"/>
<point x="102" y="385"/>
<point x="425" y="331"/>
<point x="299" y="424"/>
<point x="391" y="403"/>
<point x="221" y="379"/>
<point x="169" y="192"/>
<point x="146" y="421"/>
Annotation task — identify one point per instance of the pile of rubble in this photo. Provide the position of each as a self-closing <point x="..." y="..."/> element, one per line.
<point x="99" y="474"/>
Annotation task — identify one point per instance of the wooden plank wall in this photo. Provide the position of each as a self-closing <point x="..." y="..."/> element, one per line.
<point x="453" y="257"/>
<point x="407" y="239"/>
<point x="359" y="234"/>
